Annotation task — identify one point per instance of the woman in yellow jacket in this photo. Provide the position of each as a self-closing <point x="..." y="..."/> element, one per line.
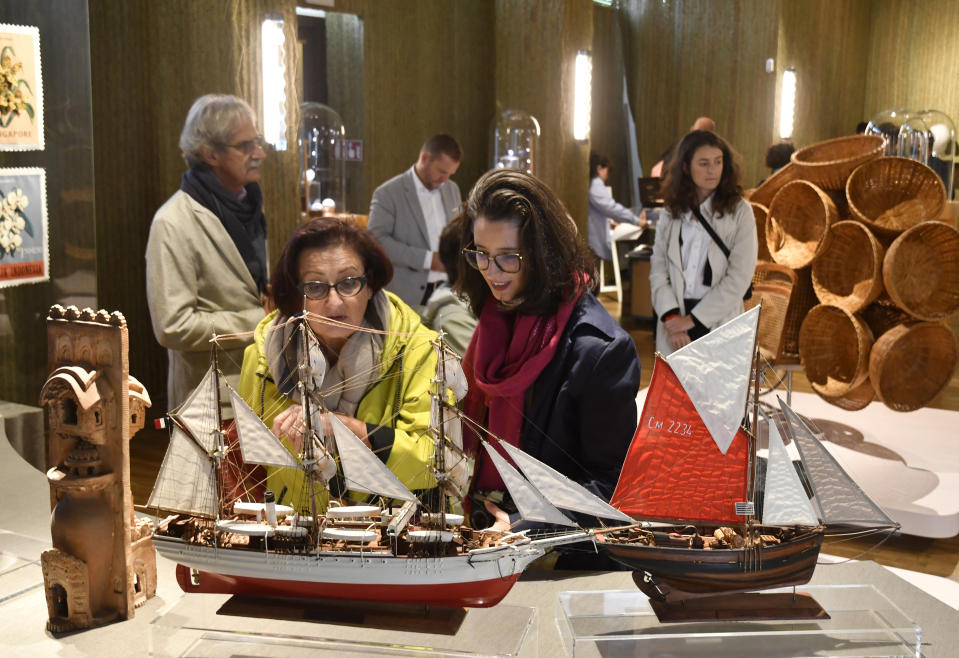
<point x="379" y="358"/>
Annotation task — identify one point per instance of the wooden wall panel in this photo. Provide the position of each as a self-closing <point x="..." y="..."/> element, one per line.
<point x="688" y="58"/>
<point x="913" y="57"/>
<point x="826" y="41"/>
<point x="536" y="45"/>
<point x="427" y="69"/>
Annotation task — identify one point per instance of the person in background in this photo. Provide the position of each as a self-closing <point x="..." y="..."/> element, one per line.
<point x="549" y="369"/>
<point x="376" y="383"/>
<point x="446" y="311"/>
<point x="408" y="213"/>
<point x="861" y="127"/>
<point x="701" y="123"/>
<point x="695" y="286"/>
<point x="604" y="212"/>
<point x="777" y="157"/>
<point x="206" y="254"/>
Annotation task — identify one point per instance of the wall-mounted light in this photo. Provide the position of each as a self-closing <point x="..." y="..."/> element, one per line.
<point x="582" y="99"/>
<point x="787" y="104"/>
<point x="273" y="81"/>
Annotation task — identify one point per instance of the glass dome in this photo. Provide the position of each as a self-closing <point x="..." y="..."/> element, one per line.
<point x="942" y="152"/>
<point x="887" y="124"/>
<point x="515" y="137"/>
<point x="322" y="172"/>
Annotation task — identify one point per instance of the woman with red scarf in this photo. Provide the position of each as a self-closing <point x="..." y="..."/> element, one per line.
<point x="549" y="369"/>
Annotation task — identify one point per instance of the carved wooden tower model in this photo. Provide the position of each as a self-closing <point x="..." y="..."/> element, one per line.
<point x="102" y="564"/>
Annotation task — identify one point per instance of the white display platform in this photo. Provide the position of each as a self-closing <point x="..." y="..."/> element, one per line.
<point x="907" y="462"/>
<point x="861" y="621"/>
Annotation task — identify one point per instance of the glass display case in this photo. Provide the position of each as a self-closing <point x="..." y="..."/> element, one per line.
<point x="515" y="141"/>
<point x="942" y="151"/>
<point x="322" y="175"/>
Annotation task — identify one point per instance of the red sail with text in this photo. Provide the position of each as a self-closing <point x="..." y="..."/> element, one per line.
<point x="674" y="471"/>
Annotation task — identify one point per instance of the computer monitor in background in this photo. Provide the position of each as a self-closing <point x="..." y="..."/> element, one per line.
<point x="649" y="193"/>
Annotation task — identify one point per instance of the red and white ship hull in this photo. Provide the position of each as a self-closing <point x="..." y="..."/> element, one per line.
<point x="477" y="579"/>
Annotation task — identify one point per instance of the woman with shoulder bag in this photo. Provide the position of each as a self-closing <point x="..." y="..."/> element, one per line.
<point x="705" y="251"/>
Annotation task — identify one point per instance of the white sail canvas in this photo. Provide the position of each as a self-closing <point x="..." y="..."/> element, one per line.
<point x="563" y="492"/>
<point x="185" y="483"/>
<point x="841" y="501"/>
<point x="785" y="501"/>
<point x="198" y="413"/>
<point x="714" y="371"/>
<point x="459" y="466"/>
<point x="258" y="445"/>
<point x="362" y="470"/>
<point x="532" y="505"/>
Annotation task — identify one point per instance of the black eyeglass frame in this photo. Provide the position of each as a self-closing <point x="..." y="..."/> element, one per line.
<point x="472" y="262"/>
<point x="329" y="286"/>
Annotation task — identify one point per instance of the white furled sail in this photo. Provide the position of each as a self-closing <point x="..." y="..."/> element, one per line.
<point x="449" y="366"/>
<point x="785" y="501"/>
<point x="315" y="360"/>
<point x="841" y="502"/>
<point x="258" y="445"/>
<point x="532" y="505"/>
<point x="362" y="470"/>
<point x="459" y="466"/>
<point x="185" y="483"/>
<point x="198" y="413"/>
<point x="563" y="492"/>
<point x="714" y="371"/>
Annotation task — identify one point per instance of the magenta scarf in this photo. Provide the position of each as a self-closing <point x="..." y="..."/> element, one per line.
<point x="507" y="353"/>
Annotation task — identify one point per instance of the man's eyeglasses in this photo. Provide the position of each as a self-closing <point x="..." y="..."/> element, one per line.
<point x="348" y="287"/>
<point x="480" y="260"/>
<point x="247" y="147"/>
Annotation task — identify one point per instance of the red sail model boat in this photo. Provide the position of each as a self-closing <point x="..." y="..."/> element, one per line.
<point x="691" y="471"/>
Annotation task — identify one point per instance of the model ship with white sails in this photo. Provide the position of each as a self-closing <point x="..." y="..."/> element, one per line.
<point x="398" y="552"/>
<point x="720" y="524"/>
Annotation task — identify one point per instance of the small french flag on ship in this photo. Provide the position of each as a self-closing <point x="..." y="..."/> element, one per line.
<point x="160" y="423"/>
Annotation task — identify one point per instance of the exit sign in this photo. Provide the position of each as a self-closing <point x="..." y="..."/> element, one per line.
<point x="350" y="150"/>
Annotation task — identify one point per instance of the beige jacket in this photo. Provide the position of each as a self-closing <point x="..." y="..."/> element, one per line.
<point x="731" y="277"/>
<point x="197" y="284"/>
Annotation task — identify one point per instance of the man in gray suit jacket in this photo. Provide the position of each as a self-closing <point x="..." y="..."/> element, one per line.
<point x="408" y="213"/>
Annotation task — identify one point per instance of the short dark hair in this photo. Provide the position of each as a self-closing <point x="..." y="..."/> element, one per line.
<point x="558" y="263"/>
<point x="861" y="127"/>
<point x="596" y="160"/>
<point x="678" y="189"/>
<point x="321" y="233"/>
<point x="443" y="144"/>
<point x="778" y="155"/>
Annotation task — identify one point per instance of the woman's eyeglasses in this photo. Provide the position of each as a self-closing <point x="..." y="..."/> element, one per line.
<point x="480" y="260"/>
<point x="247" y="147"/>
<point x="348" y="287"/>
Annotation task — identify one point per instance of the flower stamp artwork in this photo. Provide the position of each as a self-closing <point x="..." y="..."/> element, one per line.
<point x="21" y="89"/>
<point x="23" y="226"/>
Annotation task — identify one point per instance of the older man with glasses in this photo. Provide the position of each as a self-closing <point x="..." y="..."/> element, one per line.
<point x="206" y="254"/>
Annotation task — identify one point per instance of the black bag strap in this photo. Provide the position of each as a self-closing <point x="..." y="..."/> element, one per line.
<point x="712" y="233"/>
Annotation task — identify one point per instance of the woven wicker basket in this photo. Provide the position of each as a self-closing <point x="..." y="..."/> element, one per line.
<point x="797" y="229"/>
<point x="772" y="287"/>
<point x="803" y="298"/>
<point x="893" y="194"/>
<point x="912" y="363"/>
<point x="883" y="315"/>
<point x="921" y="271"/>
<point x="856" y="399"/>
<point x="829" y="163"/>
<point x="764" y="193"/>
<point x="849" y="272"/>
<point x="834" y="349"/>
<point x="760" y="212"/>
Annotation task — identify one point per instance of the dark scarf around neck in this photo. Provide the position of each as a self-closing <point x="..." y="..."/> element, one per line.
<point x="243" y="220"/>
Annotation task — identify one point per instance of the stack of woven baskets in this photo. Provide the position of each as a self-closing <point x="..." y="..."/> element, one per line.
<point x="877" y="276"/>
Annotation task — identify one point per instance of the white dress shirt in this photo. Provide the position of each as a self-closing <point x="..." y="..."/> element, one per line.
<point x="696" y="242"/>
<point x="432" y="205"/>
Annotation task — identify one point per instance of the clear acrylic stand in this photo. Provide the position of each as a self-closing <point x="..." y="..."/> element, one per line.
<point x="194" y="626"/>
<point x="863" y="622"/>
